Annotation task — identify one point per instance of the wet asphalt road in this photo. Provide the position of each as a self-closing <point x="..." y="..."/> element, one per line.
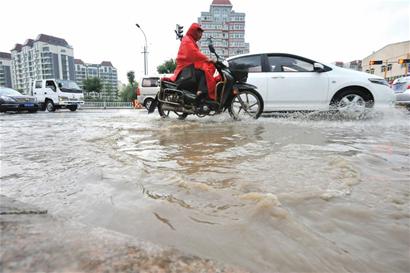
<point x="302" y="193"/>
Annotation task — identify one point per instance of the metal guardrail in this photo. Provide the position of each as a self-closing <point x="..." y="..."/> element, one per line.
<point x="106" y="105"/>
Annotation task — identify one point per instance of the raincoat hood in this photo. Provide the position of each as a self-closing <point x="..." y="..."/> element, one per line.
<point x="193" y="29"/>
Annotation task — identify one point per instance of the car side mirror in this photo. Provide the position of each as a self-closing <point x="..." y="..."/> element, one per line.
<point x="60" y="85"/>
<point x="318" y="67"/>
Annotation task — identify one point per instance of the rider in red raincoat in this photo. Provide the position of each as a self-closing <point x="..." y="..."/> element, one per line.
<point x="188" y="54"/>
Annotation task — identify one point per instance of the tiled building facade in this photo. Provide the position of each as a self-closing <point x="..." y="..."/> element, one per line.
<point x="42" y="58"/>
<point x="226" y="27"/>
<point x="5" y="70"/>
<point x="105" y="71"/>
<point x="390" y="69"/>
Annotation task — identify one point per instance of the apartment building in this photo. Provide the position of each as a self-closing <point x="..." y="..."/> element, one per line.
<point x="390" y="68"/>
<point x="41" y="58"/>
<point x="105" y="71"/>
<point x="5" y="70"/>
<point x="226" y="27"/>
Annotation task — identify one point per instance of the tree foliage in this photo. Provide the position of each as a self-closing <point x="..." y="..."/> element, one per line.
<point x="131" y="77"/>
<point x="167" y="67"/>
<point x="129" y="92"/>
<point x="92" y="85"/>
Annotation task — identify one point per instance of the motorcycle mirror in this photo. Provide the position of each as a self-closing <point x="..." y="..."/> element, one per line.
<point x="211" y="48"/>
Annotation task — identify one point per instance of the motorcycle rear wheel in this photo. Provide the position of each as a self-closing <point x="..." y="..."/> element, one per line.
<point x="246" y="104"/>
<point x="170" y="114"/>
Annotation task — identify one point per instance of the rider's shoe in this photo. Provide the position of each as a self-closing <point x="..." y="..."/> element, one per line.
<point x="200" y="96"/>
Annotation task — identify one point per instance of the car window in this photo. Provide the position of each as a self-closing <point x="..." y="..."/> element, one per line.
<point x="50" y="84"/>
<point x="150" y="82"/>
<point x="289" y="64"/>
<point x="38" y="84"/>
<point x="246" y="64"/>
<point x="68" y="84"/>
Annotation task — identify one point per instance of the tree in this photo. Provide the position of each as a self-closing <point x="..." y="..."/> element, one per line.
<point x="167" y="67"/>
<point x="128" y="92"/>
<point x="131" y="81"/>
<point x="92" y="85"/>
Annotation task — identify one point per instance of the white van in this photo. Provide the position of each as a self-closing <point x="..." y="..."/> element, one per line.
<point x="53" y="94"/>
<point x="148" y="89"/>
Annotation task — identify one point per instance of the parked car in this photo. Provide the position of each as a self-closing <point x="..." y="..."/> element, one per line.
<point x="288" y="82"/>
<point x="148" y="89"/>
<point x="401" y="87"/>
<point x="12" y="100"/>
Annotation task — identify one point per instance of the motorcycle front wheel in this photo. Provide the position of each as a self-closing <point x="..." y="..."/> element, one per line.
<point x="170" y="114"/>
<point x="246" y="104"/>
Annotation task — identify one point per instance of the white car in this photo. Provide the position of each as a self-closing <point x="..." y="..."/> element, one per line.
<point x="401" y="87"/>
<point x="288" y="82"/>
<point x="148" y="89"/>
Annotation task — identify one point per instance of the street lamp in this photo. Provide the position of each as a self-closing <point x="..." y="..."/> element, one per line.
<point x="145" y="51"/>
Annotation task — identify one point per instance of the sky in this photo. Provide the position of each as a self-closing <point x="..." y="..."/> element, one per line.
<point x="104" y="30"/>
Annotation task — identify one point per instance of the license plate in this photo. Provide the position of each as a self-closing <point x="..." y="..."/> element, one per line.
<point x="29" y="104"/>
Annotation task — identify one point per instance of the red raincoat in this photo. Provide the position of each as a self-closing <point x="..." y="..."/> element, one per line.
<point x="189" y="53"/>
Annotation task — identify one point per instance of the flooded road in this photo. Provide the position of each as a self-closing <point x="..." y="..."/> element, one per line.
<point x="286" y="194"/>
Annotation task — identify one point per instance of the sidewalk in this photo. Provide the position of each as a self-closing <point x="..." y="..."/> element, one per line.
<point x="33" y="241"/>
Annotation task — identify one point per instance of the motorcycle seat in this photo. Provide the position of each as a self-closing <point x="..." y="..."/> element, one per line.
<point x="168" y="83"/>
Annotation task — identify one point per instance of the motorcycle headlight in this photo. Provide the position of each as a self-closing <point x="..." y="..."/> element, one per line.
<point x="8" y="99"/>
<point x="379" y="81"/>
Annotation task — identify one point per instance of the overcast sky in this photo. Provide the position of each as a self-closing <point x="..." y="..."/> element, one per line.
<point x="104" y="30"/>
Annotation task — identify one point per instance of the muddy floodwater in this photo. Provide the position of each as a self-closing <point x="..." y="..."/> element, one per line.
<point x="300" y="193"/>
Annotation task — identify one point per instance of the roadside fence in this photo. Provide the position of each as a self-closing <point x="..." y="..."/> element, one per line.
<point x="107" y="105"/>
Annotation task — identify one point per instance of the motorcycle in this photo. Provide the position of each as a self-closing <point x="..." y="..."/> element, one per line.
<point x="232" y="93"/>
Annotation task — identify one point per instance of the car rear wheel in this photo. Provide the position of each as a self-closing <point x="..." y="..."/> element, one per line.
<point x="50" y="106"/>
<point x="72" y="108"/>
<point x="352" y="102"/>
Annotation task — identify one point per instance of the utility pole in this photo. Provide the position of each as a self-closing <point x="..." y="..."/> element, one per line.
<point x="385" y="69"/>
<point x="145" y="51"/>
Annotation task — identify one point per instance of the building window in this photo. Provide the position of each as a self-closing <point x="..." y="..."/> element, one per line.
<point x="46" y="49"/>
